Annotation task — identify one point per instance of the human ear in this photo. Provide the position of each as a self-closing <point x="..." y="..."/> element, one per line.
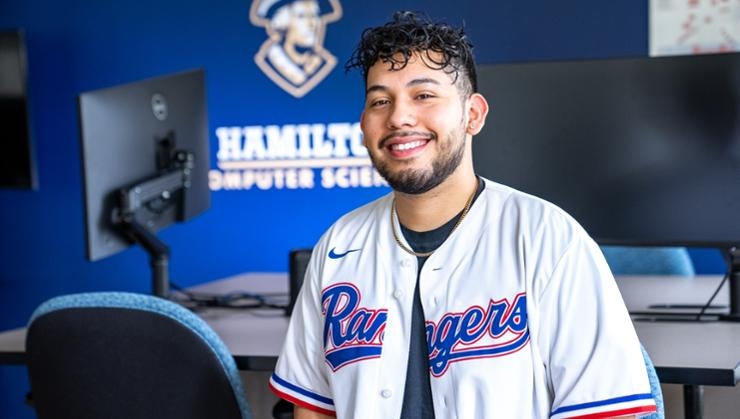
<point x="477" y="111"/>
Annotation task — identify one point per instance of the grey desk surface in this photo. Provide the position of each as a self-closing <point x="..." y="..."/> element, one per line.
<point x="254" y="337"/>
<point x="684" y="352"/>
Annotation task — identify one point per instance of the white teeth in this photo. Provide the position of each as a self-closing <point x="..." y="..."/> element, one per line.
<point x="407" y="146"/>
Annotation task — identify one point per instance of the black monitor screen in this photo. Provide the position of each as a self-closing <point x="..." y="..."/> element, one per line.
<point x="641" y="151"/>
<point x="17" y="164"/>
<point x="129" y="135"/>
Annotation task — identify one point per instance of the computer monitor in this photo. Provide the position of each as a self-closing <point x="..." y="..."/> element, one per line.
<point x="641" y="151"/>
<point x="145" y="164"/>
<point x="17" y="162"/>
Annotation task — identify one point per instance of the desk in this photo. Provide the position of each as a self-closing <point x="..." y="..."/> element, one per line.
<point x="254" y="337"/>
<point x="686" y="352"/>
<point x="690" y="353"/>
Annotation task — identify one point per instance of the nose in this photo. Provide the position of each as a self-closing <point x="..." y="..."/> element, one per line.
<point x="401" y="115"/>
<point x="313" y="23"/>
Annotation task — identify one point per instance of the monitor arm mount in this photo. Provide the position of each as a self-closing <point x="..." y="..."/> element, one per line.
<point x="161" y="188"/>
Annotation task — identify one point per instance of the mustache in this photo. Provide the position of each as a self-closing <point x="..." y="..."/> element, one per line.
<point x="402" y="134"/>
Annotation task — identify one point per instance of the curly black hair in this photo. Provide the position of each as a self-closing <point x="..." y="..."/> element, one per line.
<point x="413" y="32"/>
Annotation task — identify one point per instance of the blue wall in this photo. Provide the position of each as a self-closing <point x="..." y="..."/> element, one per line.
<point x="76" y="45"/>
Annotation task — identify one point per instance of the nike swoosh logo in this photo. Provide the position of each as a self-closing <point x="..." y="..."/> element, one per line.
<point x="335" y="255"/>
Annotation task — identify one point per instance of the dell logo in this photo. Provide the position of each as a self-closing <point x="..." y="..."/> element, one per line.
<point x="159" y="107"/>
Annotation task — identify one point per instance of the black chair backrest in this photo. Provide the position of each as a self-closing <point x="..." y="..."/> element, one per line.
<point x="113" y="362"/>
<point x="297" y="264"/>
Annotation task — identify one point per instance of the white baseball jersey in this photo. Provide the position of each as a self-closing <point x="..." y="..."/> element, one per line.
<point x="523" y="319"/>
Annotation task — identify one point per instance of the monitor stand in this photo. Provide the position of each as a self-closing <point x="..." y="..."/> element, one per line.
<point x="131" y="199"/>
<point x="159" y="253"/>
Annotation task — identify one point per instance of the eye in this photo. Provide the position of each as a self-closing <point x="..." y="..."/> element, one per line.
<point x="424" y="96"/>
<point x="374" y="103"/>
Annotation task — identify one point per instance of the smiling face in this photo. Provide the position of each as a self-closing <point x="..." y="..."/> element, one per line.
<point x="416" y="125"/>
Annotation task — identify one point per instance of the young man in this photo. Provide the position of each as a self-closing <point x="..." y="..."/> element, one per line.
<point x="453" y="296"/>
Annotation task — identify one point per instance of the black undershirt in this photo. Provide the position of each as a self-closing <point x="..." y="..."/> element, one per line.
<point x="417" y="395"/>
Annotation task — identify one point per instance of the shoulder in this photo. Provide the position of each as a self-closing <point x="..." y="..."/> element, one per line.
<point x="363" y="218"/>
<point x="356" y="227"/>
<point x="515" y="205"/>
<point x="541" y="232"/>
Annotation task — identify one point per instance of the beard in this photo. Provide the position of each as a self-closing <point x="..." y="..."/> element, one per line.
<point x="418" y="181"/>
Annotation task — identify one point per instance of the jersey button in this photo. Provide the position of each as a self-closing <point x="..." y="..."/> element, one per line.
<point x="398" y="294"/>
<point x="406" y="263"/>
<point x="386" y="394"/>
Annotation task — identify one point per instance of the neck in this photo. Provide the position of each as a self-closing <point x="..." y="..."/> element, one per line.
<point x="432" y="209"/>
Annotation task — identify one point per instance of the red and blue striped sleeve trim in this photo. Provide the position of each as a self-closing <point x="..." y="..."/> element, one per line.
<point x="618" y="406"/>
<point x="300" y="396"/>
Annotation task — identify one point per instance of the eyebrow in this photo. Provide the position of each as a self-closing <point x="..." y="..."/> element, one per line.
<point x="414" y="82"/>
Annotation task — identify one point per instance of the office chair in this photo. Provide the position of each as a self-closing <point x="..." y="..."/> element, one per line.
<point x="631" y="260"/>
<point x="655" y="389"/>
<point x="122" y="355"/>
<point x="297" y="263"/>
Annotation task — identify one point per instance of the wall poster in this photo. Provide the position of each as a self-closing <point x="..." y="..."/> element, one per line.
<point x="680" y="27"/>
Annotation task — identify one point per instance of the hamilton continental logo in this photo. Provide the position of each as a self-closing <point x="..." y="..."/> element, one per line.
<point x="292" y="156"/>
<point x="293" y="56"/>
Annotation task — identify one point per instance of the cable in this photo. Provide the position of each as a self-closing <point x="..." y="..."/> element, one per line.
<point x="236" y="300"/>
<point x="653" y="315"/>
<point x="716" y="291"/>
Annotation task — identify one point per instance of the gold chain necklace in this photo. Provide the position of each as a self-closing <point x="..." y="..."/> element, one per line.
<point x="425" y="254"/>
